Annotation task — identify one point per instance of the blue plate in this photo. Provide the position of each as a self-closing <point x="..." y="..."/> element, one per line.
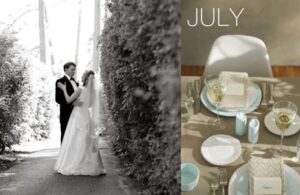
<point x="230" y="113"/>
<point x="239" y="181"/>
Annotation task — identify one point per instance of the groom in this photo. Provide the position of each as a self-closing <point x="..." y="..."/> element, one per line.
<point x="71" y="85"/>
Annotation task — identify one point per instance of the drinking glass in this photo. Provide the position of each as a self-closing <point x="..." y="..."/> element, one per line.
<point x="284" y="113"/>
<point x="216" y="88"/>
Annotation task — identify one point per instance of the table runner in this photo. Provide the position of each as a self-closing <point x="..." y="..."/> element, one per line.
<point x="195" y="131"/>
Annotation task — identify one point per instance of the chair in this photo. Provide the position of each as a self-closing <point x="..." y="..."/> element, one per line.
<point x="239" y="53"/>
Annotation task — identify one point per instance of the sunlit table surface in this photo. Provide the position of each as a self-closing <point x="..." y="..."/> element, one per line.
<point x="196" y="130"/>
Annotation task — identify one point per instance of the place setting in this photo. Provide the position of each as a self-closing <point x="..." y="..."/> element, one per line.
<point x="235" y="95"/>
<point x="229" y="93"/>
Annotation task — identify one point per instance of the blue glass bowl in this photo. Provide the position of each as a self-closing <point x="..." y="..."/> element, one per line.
<point x="190" y="174"/>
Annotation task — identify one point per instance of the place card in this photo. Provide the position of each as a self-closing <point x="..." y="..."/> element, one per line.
<point x="266" y="170"/>
<point x="235" y="94"/>
<point x="267" y="185"/>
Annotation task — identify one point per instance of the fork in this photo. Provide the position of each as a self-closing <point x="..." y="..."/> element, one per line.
<point x="214" y="185"/>
<point x="271" y="101"/>
<point x="264" y="88"/>
<point x="223" y="179"/>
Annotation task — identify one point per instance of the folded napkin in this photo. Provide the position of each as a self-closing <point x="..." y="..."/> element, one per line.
<point x="266" y="176"/>
<point x="235" y="94"/>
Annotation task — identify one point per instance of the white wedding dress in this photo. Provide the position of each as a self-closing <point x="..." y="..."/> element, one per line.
<point x="79" y="153"/>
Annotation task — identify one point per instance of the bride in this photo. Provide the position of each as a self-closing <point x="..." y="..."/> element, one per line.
<point x="79" y="154"/>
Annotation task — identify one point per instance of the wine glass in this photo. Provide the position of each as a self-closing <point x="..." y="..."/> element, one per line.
<point x="216" y="87"/>
<point x="284" y="113"/>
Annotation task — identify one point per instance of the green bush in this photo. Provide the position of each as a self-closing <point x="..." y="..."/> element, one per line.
<point x="140" y="71"/>
<point x="12" y="68"/>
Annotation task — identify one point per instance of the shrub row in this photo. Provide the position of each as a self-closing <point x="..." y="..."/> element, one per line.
<point x="11" y="78"/>
<point x="140" y="71"/>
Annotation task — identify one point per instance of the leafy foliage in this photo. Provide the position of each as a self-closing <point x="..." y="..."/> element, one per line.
<point x="140" y="71"/>
<point x="11" y="78"/>
<point x="25" y="98"/>
<point x="38" y="101"/>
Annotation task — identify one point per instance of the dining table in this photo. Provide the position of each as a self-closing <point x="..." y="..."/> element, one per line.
<point x="195" y="130"/>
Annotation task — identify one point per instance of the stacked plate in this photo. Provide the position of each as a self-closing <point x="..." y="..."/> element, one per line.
<point x="254" y="96"/>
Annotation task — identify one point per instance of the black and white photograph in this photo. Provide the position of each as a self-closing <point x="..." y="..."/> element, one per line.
<point x="90" y="97"/>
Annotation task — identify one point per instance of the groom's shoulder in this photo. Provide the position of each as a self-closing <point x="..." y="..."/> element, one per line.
<point x="61" y="79"/>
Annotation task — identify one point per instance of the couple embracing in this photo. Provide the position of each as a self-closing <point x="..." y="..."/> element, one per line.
<point x="79" y="118"/>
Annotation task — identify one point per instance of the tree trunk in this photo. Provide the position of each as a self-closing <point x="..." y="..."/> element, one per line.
<point x="49" y="40"/>
<point x="96" y="35"/>
<point x="78" y="35"/>
<point x="42" y="32"/>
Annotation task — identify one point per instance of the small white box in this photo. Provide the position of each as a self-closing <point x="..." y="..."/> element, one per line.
<point x="267" y="185"/>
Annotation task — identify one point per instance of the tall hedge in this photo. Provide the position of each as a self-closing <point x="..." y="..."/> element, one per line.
<point x="140" y="71"/>
<point x="12" y="80"/>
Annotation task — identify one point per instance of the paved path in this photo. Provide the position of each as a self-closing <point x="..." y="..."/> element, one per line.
<point x="35" y="176"/>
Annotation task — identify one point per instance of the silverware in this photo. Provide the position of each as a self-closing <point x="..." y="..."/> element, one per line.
<point x="197" y="88"/>
<point x="223" y="179"/>
<point x="271" y="87"/>
<point x="189" y="89"/>
<point x="264" y="101"/>
<point x="190" y="102"/>
<point x="214" y="184"/>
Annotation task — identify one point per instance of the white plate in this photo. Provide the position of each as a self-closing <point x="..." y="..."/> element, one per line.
<point x="221" y="149"/>
<point x="251" y="93"/>
<point x="239" y="181"/>
<point x="271" y="126"/>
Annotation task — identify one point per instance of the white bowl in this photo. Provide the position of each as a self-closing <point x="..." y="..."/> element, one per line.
<point x="190" y="174"/>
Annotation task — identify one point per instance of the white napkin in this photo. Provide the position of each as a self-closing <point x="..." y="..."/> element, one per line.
<point x="235" y="94"/>
<point x="265" y="172"/>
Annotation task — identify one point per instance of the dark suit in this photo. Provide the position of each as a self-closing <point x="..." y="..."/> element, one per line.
<point x="65" y="108"/>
